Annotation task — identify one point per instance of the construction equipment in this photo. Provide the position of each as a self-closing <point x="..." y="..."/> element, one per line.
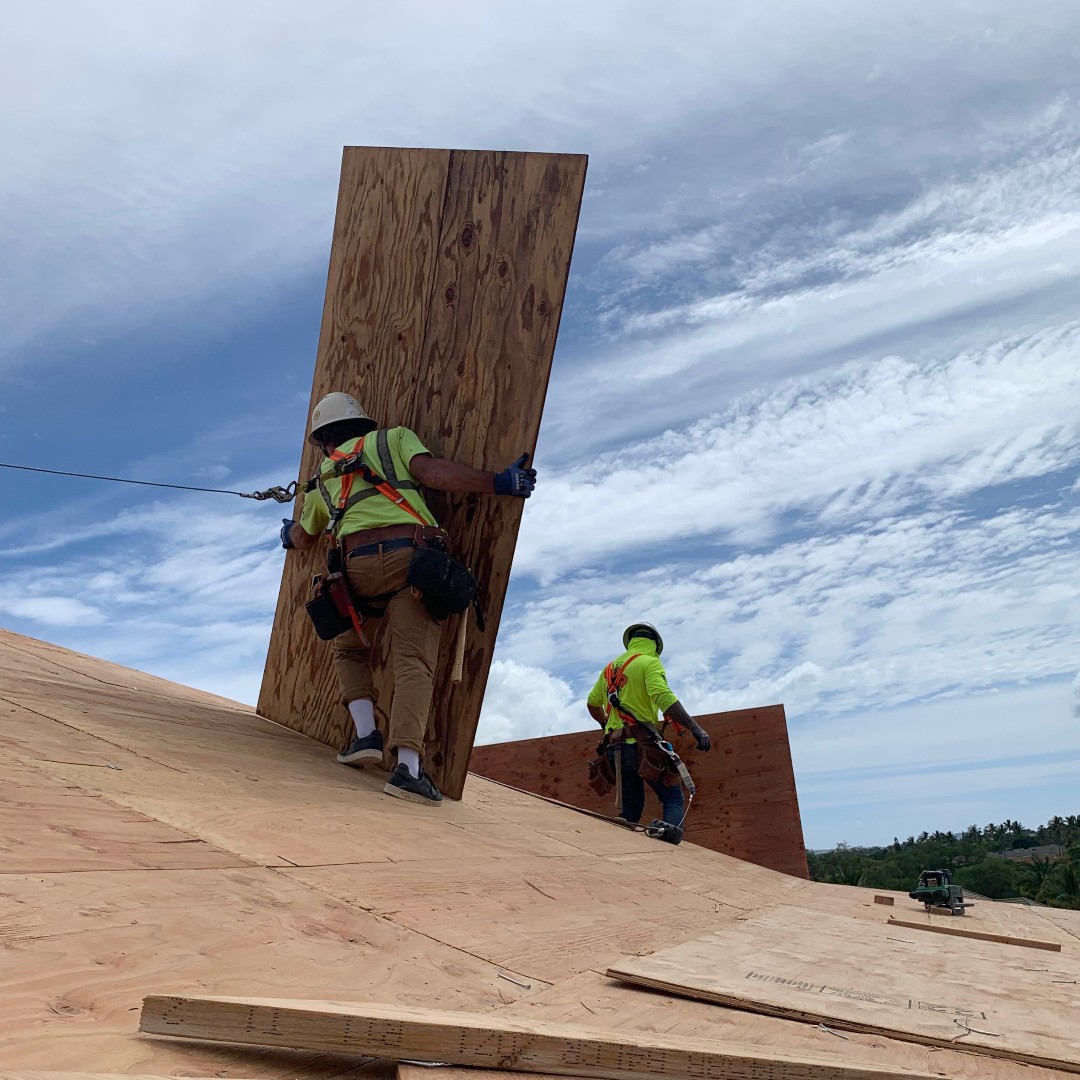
<point x="936" y="889"/>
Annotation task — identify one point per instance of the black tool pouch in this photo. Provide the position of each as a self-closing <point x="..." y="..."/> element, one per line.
<point x="328" y="607"/>
<point x="445" y="586"/>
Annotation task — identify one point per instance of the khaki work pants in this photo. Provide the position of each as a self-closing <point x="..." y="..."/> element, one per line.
<point x="413" y="648"/>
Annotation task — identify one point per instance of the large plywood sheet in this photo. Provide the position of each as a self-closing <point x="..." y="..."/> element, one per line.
<point x="746" y="805"/>
<point x="854" y="974"/>
<point x="447" y="276"/>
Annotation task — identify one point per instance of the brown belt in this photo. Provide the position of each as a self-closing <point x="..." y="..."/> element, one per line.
<point x="422" y="535"/>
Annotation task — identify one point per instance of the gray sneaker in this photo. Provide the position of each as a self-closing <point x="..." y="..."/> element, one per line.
<point x="365" y="751"/>
<point x="402" y="786"/>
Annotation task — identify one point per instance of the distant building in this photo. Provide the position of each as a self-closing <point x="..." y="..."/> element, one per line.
<point x="1024" y="854"/>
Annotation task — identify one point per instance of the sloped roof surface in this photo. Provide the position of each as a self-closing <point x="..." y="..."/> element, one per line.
<point x="156" y="839"/>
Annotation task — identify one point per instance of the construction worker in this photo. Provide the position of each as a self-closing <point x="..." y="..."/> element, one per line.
<point x="626" y="698"/>
<point x="377" y="538"/>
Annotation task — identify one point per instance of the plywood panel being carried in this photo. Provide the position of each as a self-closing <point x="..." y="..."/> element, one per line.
<point x="854" y="974"/>
<point x="447" y="276"/>
<point x="746" y="804"/>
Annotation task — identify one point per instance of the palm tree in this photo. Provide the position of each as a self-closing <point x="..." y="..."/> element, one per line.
<point x="1036" y="874"/>
<point x="1067" y="880"/>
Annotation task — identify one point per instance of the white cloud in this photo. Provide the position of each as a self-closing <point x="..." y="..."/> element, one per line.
<point x="51" y="611"/>
<point x="899" y="610"/>
<point x="867" y="439"/>
<point x="526" y="702"/>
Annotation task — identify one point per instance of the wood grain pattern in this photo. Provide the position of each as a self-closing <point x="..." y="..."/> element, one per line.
<point x="848" y="974"/>
<point x="47" y="827"/>
<point x="956" y="931"/>
<point x="746" y="805"/>
<point x="443" y="303"/>
<point x="378" y="295"/>
<point x="464" y="1039"/>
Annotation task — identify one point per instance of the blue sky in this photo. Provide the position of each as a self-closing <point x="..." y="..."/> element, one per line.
<point x="821" y="350"/>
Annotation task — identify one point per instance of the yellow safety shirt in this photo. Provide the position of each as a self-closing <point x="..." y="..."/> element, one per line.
<point x="386" y="452"/>
<point x="646" y="692"/>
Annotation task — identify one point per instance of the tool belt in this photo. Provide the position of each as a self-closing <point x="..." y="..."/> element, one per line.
<point x="370" y="541"/>
<point x="654" y="763"/>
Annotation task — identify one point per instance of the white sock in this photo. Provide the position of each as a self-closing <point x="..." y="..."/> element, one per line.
<point x="362" y="712"/>
<point x="411" y="760"/>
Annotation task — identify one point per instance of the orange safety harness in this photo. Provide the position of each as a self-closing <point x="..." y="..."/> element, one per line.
<point x="346" y="466"/>
<point x="616" y="678"/>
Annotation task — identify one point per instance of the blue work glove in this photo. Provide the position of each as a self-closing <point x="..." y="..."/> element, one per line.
<point x="516" y="480"/>
<point x="286" y="525"/>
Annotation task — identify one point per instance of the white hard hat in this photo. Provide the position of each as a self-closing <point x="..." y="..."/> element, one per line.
<point x="334" y="407"/>
<point x="631" y="632"/>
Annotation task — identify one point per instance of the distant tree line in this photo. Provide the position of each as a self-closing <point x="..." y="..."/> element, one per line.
<point x="976" y="856"/>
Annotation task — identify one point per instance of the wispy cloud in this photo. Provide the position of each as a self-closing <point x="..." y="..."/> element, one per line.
<point x="814" y="408"/>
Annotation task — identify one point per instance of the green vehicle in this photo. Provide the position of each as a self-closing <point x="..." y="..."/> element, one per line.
<point x="936" y="889"/>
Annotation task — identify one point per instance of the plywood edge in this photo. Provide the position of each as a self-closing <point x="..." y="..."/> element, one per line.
<point x="979" y="935"/>
<point x="455" y="1038"/>
<point x="35" y="1074"/>
<point x="732" y="1001"/>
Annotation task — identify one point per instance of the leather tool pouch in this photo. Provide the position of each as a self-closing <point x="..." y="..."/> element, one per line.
<point x="601" y="775"/>
<point x="446" y="587"/>
<point x="329" y="605"/>
<point x="654" y="765"/>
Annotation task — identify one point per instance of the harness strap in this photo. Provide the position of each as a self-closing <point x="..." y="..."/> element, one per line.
<point x="615" y="676"/>
<point x="345" y="467"/>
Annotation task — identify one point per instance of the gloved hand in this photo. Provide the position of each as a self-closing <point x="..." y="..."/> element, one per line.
<point x="701" y="736"/>
<point x="516" y="480"/>
<point x="286" y="525"/>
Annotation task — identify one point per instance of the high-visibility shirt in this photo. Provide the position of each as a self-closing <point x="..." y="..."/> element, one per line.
<point x="386" y="452"/>
<point x="646" y="692"/>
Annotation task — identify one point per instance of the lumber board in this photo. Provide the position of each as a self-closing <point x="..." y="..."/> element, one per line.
<point x="956" y="931"/>
<point x="746" y="805"/>
<point x="844" y="972"/>
<point x="447" y="276"/>
<point x="475" y="1040"/>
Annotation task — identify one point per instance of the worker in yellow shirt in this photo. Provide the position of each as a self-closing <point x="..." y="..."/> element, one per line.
<point x="625" y="701"/>
<point x="378" y="536"/>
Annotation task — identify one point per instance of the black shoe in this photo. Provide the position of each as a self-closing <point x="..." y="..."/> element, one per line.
<point x="402" y="786"/>
<point x="365" y="751"/>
